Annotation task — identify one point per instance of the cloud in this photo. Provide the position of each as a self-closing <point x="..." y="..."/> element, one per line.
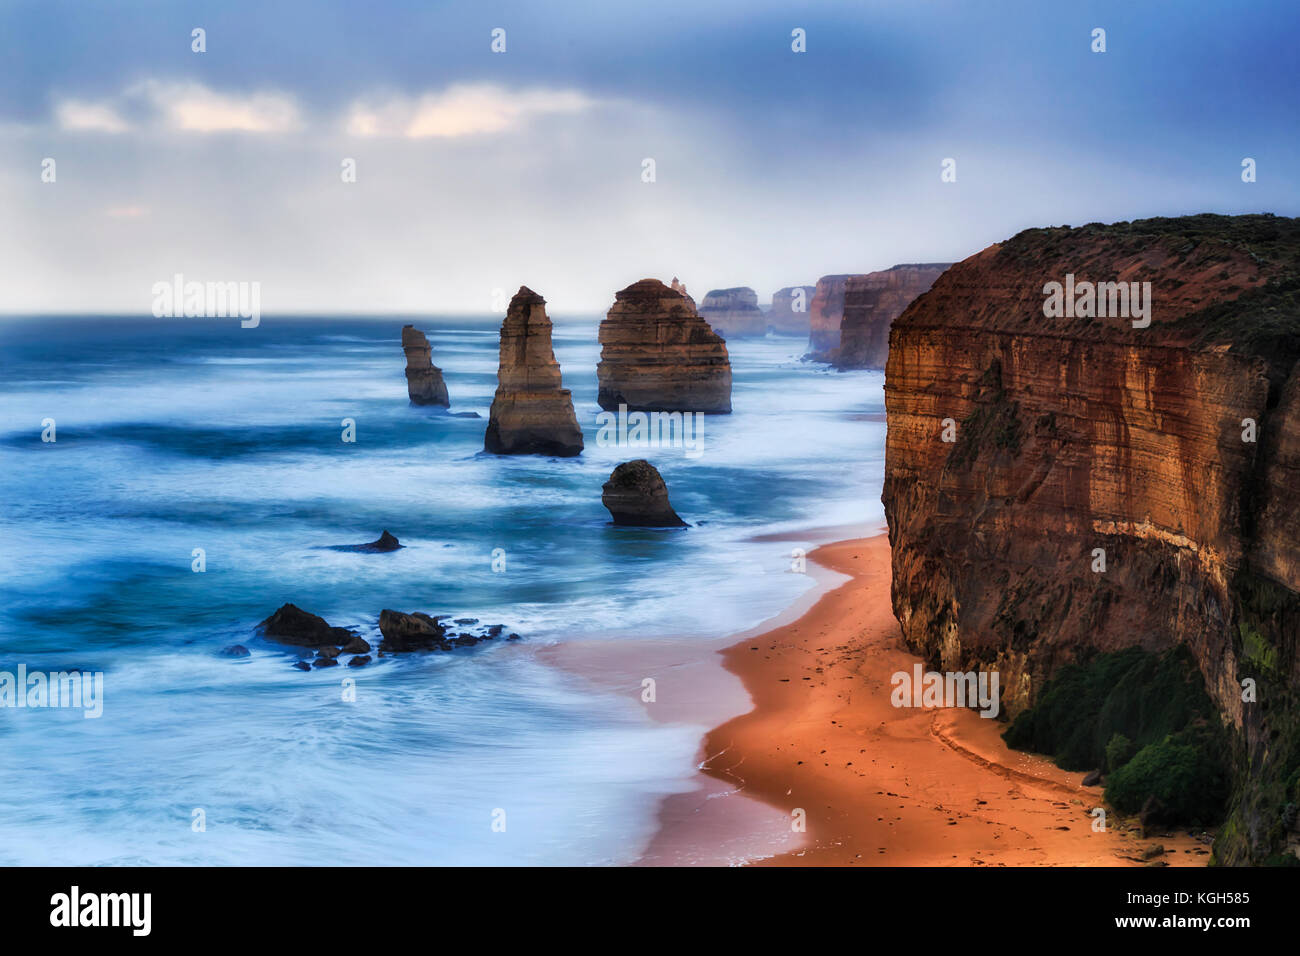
<point x="460" y="110"/>
<point x="79" y="116"/>
<point x="193" y="107"/>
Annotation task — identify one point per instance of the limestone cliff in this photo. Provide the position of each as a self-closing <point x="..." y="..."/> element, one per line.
<point x="871" y="303"/>
<point x="734" y="313"/>
<point x="531" y="413"/>
<point x="824" y="317"/>
<point x="791" y="310"/>
<point x="1087" y="437"/>
<point x="657" y="354"/>
<point x="424" y="384"/>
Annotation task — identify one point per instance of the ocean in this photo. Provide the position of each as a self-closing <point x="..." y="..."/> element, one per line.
<point x="181" y="434"/>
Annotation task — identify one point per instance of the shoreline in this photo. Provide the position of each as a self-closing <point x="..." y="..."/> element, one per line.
<point x="795" y="714"/>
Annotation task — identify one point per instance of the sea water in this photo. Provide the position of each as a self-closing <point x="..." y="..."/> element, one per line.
<point x="176" y="435"/>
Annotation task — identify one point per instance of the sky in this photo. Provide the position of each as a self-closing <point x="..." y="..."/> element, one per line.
<point x="479" y="171"/>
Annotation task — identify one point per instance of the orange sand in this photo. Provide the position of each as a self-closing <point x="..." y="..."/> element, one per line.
<point x="882" y="785"/>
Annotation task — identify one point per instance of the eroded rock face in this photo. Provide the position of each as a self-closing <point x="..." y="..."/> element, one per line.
<point x="637" y="496"/>
<point x="791" y="310"/>
<point x="424" y="382"/>
<point x="531" y="413"/>
<point x="1078" y="436"/>
<point x="734" y="313"/>
<point x="657" y="354"/>
<point x="871" y="303"/>
<point x="824" y="317"/>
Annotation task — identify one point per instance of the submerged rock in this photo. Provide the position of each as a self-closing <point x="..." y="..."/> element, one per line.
<point x="532" y="414"/>
<point x="235" y="650"/>
<point x="359" y="661"/>
<point x="292" y="625"/>
<point x="424" y="384"/>
<point x="657" y="354"/>
<point x="637" y="496"/>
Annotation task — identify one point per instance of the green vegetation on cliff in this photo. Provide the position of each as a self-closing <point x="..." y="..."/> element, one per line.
<point x="1146" y="719"/>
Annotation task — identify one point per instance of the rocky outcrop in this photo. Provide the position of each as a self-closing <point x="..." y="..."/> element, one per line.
<point x="657" y="354"/>
<point x="531" y="413"/>
<point x="871" y="303"/>
<point x="411" y="632"/>
<point x="636" y="495"/>
<point x="385" y="542"/>
<point x="680" y="287"/>
<point x="791" y="310"/>
<point x="824" y="317"/>
<point x="424" y="382"/>
<point x="1097" y="492"/>
<point x="290" y="624"/>
<point x="734" y="313"/>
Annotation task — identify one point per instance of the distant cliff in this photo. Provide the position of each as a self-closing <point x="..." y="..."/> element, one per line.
<point x="871" y="303"/>
<point x="734" y="313"/>
<point x="790" y="310"/>
<point x="1169" y="452"/>
<point x="824" y="315"/>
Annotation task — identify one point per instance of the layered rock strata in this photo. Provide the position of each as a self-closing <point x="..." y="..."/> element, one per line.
<point x="424" y="384"/>
<point x="824" y="317"/>
<point x="734" y="313"/>
<point x="657" y="354"/>
<point x="532" y="414"/>
<point x="871" y="303"/>
<point x="1058" y="486"/>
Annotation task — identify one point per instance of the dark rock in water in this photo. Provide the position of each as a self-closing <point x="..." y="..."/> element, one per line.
<point x="465" y="640"/>
<point x="637" y="496"/>
<point x="325" y="662"/>
<point x="358" y="645"/>
<point x="495" y="630"/>
<point x="466" y="415"/>
<point x="465" y="620"/>
<point x="513" y="637"/>
<point x="359" y="661"/>
<point x="410" y="632"/>
<point x="302" y="665"/>
<point x="235" y="650"/>
<point x="1092" y="779"/>
<point x="385" y="542"/>
<point x="329" y="653"/>
<point x="292" y="625"/>
<point x="424" y="384"/>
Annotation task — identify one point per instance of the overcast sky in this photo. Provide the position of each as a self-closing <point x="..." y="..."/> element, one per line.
<point x="480" y="171"/>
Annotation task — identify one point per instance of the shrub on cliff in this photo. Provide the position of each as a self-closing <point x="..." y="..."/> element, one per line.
<point x="1184" y="772"/>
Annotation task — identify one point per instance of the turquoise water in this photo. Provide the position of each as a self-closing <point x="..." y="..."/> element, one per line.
<point x="180" y="434"/>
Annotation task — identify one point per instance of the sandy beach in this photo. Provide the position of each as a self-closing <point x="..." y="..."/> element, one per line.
<point x="878" y="785"/>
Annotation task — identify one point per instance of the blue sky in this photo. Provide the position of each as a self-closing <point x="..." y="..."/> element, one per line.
<point x="480" y="171"/>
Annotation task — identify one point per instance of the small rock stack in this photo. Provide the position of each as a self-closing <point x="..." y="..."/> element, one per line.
<point x="424" y="382"/>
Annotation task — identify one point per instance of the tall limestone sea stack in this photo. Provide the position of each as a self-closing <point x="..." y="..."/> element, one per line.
<point x="871" y="303"/>
<point x="424" y="384"/>
<point x="734" y="313"/>
<point x="791" y="310"/>
<point x="824" y="317"/>
<point x="531" y="413"/>
<point x="657" y="354"/>
<point x="1109" y="482"/>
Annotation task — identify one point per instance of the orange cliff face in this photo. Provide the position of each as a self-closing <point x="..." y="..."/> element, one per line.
<point x="824" y="315"/>
<point x="1076" y="434"/>
<point x="871" y="303"/>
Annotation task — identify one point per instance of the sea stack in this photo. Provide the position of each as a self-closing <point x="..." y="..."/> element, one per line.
<point x="824" y="317"/>
<point x="791" y="310"/>
<point x="657" y="354"/>
<point x="734" y="313"/>
<point x="871" y="303"/>
<point x="1119" y="473"/>
<point x="636" y="496"/>
<point x="424" y="382"/>
<point x="531" y="413"/>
